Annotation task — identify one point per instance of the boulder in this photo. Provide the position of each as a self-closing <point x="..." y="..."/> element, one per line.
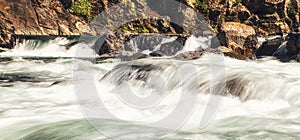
<point x="239" y="37"/>
<point x="269" y="47"/>
<point x="293" y="44"/>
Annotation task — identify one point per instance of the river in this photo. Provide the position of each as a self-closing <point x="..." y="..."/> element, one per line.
<point x="43" y="88"/>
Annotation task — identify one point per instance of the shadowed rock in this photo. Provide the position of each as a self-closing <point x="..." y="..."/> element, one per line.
<point x="269" y="47"/>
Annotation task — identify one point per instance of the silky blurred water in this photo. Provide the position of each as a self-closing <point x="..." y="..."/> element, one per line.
<point x="38" y="98"/>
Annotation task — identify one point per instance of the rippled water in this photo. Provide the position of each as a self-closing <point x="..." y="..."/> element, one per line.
<point x="39" y="98"/>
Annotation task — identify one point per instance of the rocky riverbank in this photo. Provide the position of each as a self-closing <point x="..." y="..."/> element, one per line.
<point x="238" y="23"/>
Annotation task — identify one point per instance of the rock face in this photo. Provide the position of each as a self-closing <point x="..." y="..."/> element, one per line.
<point x="238" y="37"/>
<point x="275" y="15"/>
<point x="267" y="17"/>
<point x="36" y="17"/>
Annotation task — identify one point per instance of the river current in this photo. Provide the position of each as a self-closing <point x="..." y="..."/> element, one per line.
<point x="40" y="97"/>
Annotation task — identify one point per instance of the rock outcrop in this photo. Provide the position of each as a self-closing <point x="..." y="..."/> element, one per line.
<point x="36" y="17"/>
<point x="267" y="17"/>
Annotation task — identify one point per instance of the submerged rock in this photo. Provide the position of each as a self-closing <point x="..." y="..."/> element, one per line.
<point x="189" y="55"/>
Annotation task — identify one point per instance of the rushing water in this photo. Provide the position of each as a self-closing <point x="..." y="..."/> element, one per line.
<point x="39" y="98"/>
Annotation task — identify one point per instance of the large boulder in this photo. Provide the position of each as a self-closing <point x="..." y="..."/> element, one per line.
<point x="239" y="37"/>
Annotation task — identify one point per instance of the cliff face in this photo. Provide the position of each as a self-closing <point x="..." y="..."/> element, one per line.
<point x="53" y="17"/>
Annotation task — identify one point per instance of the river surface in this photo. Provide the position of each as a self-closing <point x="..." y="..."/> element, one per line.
<point x="43" y="88"/>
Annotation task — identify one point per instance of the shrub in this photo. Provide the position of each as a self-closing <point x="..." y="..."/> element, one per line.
<point x="83" y="8"/>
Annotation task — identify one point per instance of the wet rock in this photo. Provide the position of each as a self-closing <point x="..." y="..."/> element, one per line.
<point x="293" y="44"/>
<point x="170" y="48"/>
<point x="189" y="55"/>
<point x="239" y="37"/>
<point x="282" y="54"/>
<point x="230" y="53"/>
<point x="134" y="56"/>
<point x="269" y="47"/>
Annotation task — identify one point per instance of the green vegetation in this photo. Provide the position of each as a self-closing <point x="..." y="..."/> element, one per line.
<point x="83" y="8"/>
<point x="145" y="30"/>
<point x="223" y="18"/>
<point x="290" y="9"/>
<point x="135" y="30"/>
<point x="202" y="5"/>
<point x="236" y="2"/>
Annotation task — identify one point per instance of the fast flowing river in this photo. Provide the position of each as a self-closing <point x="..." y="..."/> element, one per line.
<point x="47" y="93"/>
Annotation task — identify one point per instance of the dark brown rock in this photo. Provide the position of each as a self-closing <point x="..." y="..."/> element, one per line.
<point x="293" y="44"/>
<point x="269" y="47"/>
